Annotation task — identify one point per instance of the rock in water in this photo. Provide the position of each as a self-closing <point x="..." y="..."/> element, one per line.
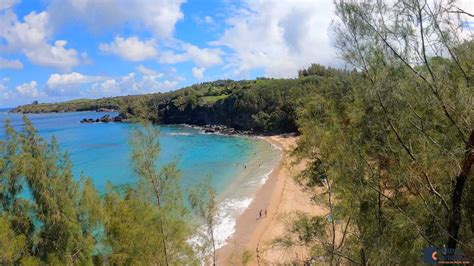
<point x="105" y="119"/>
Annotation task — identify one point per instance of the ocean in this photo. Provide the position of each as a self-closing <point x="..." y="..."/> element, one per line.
<point x="237" y="165"/>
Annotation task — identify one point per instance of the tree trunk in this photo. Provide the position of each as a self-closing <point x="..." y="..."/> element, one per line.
<point x="455" y="216"/>
<point x="160" y="222"/>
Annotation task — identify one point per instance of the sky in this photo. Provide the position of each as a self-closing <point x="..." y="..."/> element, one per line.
<point x="56" y="50"/>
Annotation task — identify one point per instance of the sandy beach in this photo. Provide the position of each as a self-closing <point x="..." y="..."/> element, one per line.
<point x="281" y="196"/>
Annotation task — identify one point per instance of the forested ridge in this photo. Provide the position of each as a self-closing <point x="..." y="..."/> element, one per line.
<point x="261" y="106"/>
<point x="390" y="143"/>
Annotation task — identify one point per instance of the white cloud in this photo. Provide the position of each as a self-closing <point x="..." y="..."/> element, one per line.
<point x="130" y="85"/>
<point x="70" y="79"/>
<point x="12" y="64"/>
<point x="53" y="56"/>
<point x="5" y="94"/>
<point x="4" y="4"/>
<point x="279" y="37"/>
<point x="132" y="49"/>
<point x="75" y="84"/>
<point x="109" y="87"/>
<point x="28" y="89"/>
<point x="205" y="57"/>
<point x="149" y="72"/>
<point x="198" y="72"/>
<point x="31" y="38"/>
<point x="208" y="20"/>
<point x="158" y="16"/>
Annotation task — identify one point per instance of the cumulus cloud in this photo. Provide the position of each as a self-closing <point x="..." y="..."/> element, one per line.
<point x="208" y="20"/>
<point x="31" y="38"/>
<point x="148" y="71"/>
<point x="4" y="4"/>
<point x="205" y="20"/>
<point x="132" y="85"/>
<point x="12" y="64"/>
<point x="204" y="57"/>
<point x="279" y="37"/>
<point x="53" y="56"/>
<point x="62" y="82"/>
<point x="158" y="16"/>
<point x="132" y="49"/>
<point x="198" y="72"/>
<point x="5" y="94"/>
<point x="75" y="84"/>
<point x="29" y="90"/>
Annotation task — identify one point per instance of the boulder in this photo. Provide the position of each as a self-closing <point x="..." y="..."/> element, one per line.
<point x="105" y="119"/>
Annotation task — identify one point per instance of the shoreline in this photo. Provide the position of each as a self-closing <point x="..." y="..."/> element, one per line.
<point x="249" y="227"/>
<point x="281" y="196"/>
<point x="236" y="196"/>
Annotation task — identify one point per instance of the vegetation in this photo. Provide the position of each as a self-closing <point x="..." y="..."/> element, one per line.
<point x="77" y="105"/>
<point x="391" y="142"/>
<point x="47" y="217"/>
<point x="393" y="147"/>
<point x="203" y="202"/>
<point x="261" y="106"/>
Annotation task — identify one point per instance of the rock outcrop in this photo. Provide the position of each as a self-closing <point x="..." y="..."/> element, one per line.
<point x="104" y="119"/>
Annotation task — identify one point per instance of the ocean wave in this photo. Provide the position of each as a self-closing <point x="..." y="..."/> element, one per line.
<point x="265" y="177"/>
<point x="229" y="210"/>
<point x="276" y="147"/>
<point x="261" y="180"/>
<point x="180" y="134"/>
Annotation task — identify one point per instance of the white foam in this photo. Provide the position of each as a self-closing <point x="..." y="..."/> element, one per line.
<point x="276" y="147"/>
<point x="265" y="177"/>
<point x="180" y="134"/>
<point x="229" y="210"/>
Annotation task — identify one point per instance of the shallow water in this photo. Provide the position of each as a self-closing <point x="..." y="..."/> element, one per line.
<point x="237" y="166"/>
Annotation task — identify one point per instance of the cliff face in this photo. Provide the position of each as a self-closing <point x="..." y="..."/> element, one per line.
<point x="221" y="113"/>
<point x="226" y="112"/>
<point x="262" y="106"/>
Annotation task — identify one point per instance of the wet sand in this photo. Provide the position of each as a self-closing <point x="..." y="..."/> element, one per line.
<point x="280" y="196"/>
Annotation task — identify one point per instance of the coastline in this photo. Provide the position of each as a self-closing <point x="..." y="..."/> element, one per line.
<point x="281" y="196"/>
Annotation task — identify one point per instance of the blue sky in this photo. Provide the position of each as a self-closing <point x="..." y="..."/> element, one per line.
<point x="65" y="49"/>
<point x="56" y="50"/>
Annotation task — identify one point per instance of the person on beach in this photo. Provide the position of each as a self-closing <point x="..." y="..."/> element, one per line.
<point x="260" y="215"/>
<point x="265" y="212"/>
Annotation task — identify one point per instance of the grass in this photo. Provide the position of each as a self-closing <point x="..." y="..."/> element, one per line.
<point x="207" y="100"/>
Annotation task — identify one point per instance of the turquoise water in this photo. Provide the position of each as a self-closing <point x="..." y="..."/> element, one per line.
<point x="101" y="151"/>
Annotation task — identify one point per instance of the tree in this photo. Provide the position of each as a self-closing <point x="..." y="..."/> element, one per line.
<point x="12" y="246"/>
<point x="421" y="30"/>
<point x="48" y="174"/>
<point x="43" y="226"/>
<point x="162" y="188"/>
<point x="394" y="136"/>
<point x="203" y="202"/>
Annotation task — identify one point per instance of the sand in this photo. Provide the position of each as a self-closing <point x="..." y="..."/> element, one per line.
<point x="281" y="196"/>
